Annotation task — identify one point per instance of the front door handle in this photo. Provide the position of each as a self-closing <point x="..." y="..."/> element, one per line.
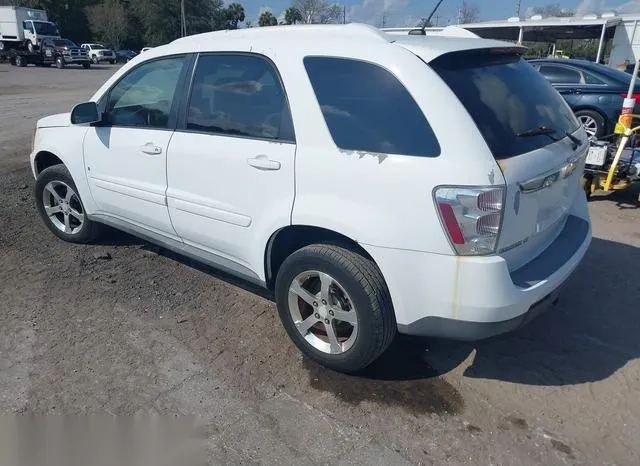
<point x="262" y="162"/>
<point x="151" y="149"/>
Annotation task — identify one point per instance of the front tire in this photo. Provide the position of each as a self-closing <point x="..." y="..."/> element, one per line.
<point x="94" y="60"/>
<point x="335" y="306"/>
<point x="60" y="63"/>
<point x="86" y="66"/>
<point x="60" y="206"/>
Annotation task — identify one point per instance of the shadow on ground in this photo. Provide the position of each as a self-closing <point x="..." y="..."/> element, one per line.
<point x="589" y="335"/>
<point x="624" y="199"/>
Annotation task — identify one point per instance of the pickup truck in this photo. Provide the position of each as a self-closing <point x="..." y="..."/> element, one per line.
<point x="99" y="53"/>
<point x="61" y="52"/>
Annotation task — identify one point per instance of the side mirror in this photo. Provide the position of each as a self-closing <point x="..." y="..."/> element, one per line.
<point x="85" y="113"/>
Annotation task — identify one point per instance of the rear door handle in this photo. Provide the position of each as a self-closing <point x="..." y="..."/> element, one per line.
<point x="151" y="149"/>
<point x="262" y="162"/>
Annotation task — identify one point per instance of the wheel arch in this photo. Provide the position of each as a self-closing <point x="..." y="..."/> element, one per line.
<point x="45" y="159"/>
<point x="291" y="238"/>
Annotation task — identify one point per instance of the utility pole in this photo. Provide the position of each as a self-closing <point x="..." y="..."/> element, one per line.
<point x="460" y="12"/>
<point x="344" y="14"/>
<point x="183" y="20"/>
<point x="384" y="20"/>
<point x="518" y="8"/>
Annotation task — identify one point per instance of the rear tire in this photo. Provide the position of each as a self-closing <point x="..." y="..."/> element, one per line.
<point x="86" y="66"/>
<point x="593" y="122"/>
<point x="20" y="61"/>
<point x="354" y="299"/>
<point x="67" y="220"/>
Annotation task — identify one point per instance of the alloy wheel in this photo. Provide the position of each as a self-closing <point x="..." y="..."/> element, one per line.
<point x="63" y="207"/>
<point x="590" y="125"/>
<point x="323" y="312"/>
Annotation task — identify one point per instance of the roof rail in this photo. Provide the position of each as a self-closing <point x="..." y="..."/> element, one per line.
<point x="350" y="29"/>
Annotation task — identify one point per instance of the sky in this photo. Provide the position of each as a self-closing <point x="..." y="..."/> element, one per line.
<point x="397" y="13"/>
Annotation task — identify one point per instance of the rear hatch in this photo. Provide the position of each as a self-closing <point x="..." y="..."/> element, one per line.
<point x="534" y="137"/>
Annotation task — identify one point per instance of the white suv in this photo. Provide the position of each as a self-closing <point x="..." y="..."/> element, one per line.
<point x="376" y="183"/>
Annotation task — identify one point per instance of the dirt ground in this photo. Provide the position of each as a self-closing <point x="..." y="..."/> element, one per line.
<point x="125" y="328"/>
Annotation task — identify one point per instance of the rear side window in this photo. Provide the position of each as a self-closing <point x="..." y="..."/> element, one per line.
<point x="239" y="95"/>
<point x="560" y="74"/>
<point x="367" y="109"/>
<point x="508" y="100"/>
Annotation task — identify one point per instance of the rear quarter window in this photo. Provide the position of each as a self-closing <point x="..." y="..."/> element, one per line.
<point x="506" y="97"/>
<point x="366" y="108"/>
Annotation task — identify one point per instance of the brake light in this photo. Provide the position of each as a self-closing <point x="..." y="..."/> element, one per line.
<point x="471" y="217"/>
<point x="633" y="96"/>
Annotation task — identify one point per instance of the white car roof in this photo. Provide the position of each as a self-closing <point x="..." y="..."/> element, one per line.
<point x="284" y="38"/>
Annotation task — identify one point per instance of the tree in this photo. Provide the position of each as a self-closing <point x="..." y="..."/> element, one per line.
<point x="331" y="14"/>
<point x="292" y="16"/>
<point x="226" y="17"/>
<point x="248" y="23"/>
<point x="317" y="11"/>
<point x="553" y="9"/>
<point x="267" y="19"/>
<point x="235" y="15"/>
<point x="469" y="13"/>
<point x="108" y="22"/>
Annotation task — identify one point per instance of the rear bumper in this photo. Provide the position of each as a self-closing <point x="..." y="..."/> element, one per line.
<point x="471" y="298"/>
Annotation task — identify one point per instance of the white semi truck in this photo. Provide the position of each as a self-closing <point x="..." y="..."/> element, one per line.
<point x="25" y="28"/>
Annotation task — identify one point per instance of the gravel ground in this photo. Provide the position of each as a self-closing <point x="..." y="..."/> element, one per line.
<point x="125" y="328"/>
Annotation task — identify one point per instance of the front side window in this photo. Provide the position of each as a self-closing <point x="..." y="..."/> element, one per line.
<point x="367" y="109"/>
<point x="27" y="26"/>
<point x="238" y="95"/>
<point x="144" y="97"/>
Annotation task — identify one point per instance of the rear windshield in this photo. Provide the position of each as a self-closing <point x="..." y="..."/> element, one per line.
<point x="507" y="98"/>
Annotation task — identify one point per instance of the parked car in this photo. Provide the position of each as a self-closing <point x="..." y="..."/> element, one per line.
<point x="123" y="56"/>
<point x="64" y="52"/>
<point x="324" y="166"/>
<point x="99" y="53"/>
<point x="594" y="92"/>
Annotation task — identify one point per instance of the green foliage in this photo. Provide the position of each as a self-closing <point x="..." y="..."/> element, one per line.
<point x="267" y="19"/>
<point x="292" y="16"/>
<point x="144" y="22"/>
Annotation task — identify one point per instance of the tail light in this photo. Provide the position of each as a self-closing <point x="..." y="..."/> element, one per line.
<point x="633" y="96"/>
<point x="471" y="217"/>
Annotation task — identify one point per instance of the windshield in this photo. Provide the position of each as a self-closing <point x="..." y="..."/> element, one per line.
<point x="64" y="43"/>
<point x="46" y="29"/>
<point x="97" y="46"/>
<point x="507" y="99"/>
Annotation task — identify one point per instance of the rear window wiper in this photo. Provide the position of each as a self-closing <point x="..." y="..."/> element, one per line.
<point x="539" y="131"/>
<point x="548" y="131"/>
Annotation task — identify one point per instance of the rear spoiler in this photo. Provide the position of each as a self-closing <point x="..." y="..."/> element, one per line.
<point x="447" y="31"/>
